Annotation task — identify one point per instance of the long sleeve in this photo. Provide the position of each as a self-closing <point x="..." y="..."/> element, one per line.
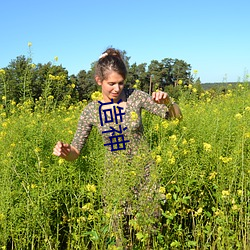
<point x="85" y="124"/>
<point x="151" y="106"/>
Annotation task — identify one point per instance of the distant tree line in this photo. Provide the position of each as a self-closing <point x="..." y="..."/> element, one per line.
<point x="22" y="79"/>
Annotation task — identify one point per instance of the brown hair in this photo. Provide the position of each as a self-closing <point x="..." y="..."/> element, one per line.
<point x="110" y="60"/>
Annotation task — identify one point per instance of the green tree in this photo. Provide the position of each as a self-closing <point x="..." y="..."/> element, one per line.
<point x="18" y="79"/>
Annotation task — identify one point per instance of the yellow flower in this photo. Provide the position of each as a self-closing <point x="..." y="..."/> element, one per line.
<point x="212" y="175"/>
<point x="2" y="217"/>
<point x="164" y="124"/>
<point x="171" y="160"/>
<point x="137" y="80"/>
<point x="184" y="141"/>
<point x="61" y="161"/>
<point x="96" y="96"/>
<point x="87" y="207"/>
<point x="162" y="190"/>
<point x="246" y="108"/>
<point x="195" y="71"/>
<point x="168" y="196"/>
<point x="191" y="140"/>
<point x="225" y="159"/>
<point x="56" y="58"/>
<point x="3" y="97"/>
<point x="235" y="207"/>
<point x="133" y="116"/>
<point x="225" y="193"/>
<point x="238" y="116"/>
<point x="2" y="72"/>
<point x="135" y="86"/>
<point x="158" y="159"/>
<point x="190" y="86"/>
<point x="29" y="44"/>
<point x="239" y="192"/>
<point x="198" y="212"/>
<point x="91" y="188"/>
<point x="180" y="82"/>
<point x="194" y="90"/>
<point x="247" y="135"/>
<point x="173" y="137"/>
<point x="50" y="97"/>
<point x="37" y="149"/>
<point x="51" y="77"/>
<point x="207" y="147"/>
<point x="4" y="124"/>
<point x="73" y="85"/>
<point x="156" y="127"/>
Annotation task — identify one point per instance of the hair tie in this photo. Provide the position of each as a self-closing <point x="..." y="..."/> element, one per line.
<point x="103" y="55"/>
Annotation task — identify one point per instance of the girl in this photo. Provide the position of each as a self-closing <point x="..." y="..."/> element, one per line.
<point x="118" y="118"/>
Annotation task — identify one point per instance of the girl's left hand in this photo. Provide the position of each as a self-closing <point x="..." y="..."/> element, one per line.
<point x="161" y="97"/>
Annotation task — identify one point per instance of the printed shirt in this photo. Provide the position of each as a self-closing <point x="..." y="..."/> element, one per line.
<point x="132" y="120"/>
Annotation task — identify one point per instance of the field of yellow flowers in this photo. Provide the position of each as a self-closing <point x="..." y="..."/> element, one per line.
<point x="203" y="163"/>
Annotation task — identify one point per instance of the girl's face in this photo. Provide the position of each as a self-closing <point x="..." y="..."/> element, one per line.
<point x="112" y="86"/>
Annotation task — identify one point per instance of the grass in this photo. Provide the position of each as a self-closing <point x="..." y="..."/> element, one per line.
<point x="202" y="164"/>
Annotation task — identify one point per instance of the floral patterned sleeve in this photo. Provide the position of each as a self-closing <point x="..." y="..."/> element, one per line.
<point x="151" y="106"/>
<point x="85" y="124"/>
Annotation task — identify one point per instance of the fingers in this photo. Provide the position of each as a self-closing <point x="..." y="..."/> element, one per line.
<point x="61" y="149"/>
<point x="160" y="97"/>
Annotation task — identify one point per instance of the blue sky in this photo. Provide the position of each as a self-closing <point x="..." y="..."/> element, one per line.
<point x="212" y="36"/>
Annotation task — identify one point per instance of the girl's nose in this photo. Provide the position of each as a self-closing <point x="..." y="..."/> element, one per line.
<point x="116" y="87"/>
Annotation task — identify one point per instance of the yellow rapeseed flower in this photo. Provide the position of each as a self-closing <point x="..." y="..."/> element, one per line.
<point x="184" y="141"/>
<point x="162" y="190"/>
<point x="133" y="116"/>
<point x="173" y="137"/>
<point x="56" y="58"/>
<point x="91" y="188"/>
<point x="225" y="193"/>
<point x="158" y="159"/>
<point x="239" y="192"/>
<point x="225" y="159"/>
<point x="195" y="71"/>
<point x="212" y="175"/>
<point x="171" y="160"/>
<point x="180" y="82"/>
<point x="199" y="211"/>
<point x="2" y="72"/>
<point x="235" y="207"/>
<point x="194" y="90"/>
<point x="238" y="116"/>
<point x="164" y="124"/>
<point x="156" y="127"/>
<point x="247" y="135"/>
<point x="2" y="217"/>
<point x="96" y="96"/>
<point x="87" y="207"/>
<point x="207" y="147"/>
<point x="29" y="44"/>
<point x="168" y="196"/>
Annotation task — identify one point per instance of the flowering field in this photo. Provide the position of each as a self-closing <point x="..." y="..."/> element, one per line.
<point x="203" y="162"/>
